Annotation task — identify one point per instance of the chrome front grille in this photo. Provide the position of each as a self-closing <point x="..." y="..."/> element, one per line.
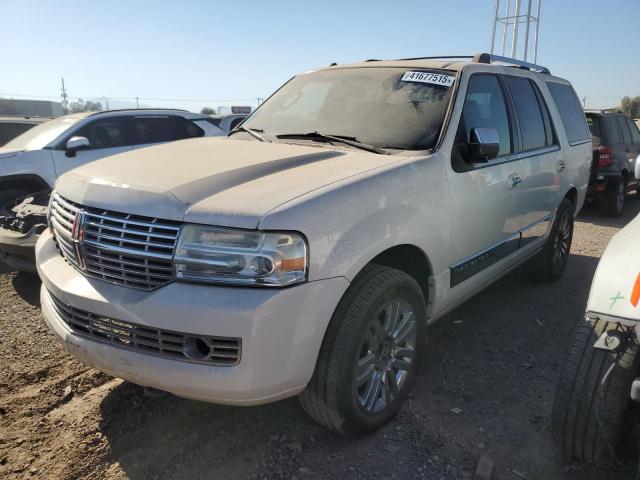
<point x="224" y="351"/>
<point x="117" y="247"/>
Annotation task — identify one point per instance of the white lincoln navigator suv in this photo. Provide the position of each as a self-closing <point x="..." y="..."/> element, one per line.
<point x="307" y="252"/>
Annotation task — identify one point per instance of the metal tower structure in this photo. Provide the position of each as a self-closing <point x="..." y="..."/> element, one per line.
<point x="510" y="14"/>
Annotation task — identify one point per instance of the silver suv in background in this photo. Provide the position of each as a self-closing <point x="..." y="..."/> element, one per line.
<point x="31" y="162"/>
<point x="307" y="252"/>
<point x="227" y="122"/>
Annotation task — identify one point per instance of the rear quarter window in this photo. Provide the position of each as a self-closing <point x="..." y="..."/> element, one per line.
<point x="571" y="112"/>
<point x="594" y="125"/>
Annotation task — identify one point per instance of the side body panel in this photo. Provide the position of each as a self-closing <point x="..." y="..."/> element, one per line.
<point x="38" y="163"/>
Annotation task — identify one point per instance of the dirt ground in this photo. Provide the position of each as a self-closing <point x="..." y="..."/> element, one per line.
<point x="496" y="359"/>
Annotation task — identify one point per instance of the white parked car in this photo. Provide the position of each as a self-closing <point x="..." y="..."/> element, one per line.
<point x="306" y="253"/>
<point x="601" y="377"/>
<point x="31" y="162"/>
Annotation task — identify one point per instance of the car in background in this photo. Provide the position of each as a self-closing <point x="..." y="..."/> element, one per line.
<point x="31" y="162"/>
<point x="11" y="126"/>
<point x="227" y="122"/>
<point x="616" y="147"/>
<point x="601" y="377"/>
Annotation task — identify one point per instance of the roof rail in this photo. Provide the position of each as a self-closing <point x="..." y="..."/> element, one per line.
<point x="490" y="58"/>
<point x="603" y="110"/>
<point x="486" y="58"/>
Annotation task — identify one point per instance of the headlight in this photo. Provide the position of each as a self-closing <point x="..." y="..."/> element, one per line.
<point x="240" y="257"/>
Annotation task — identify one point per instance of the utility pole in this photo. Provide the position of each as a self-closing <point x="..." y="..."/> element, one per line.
<point x="137" y="103"/>
<point x="65" y="98"/>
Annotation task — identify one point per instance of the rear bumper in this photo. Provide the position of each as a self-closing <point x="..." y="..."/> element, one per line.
<point x="281" y="331"/>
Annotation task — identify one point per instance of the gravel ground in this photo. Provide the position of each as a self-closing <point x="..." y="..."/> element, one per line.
<point x="486" y="390"/>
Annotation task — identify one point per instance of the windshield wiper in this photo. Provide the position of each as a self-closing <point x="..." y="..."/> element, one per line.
<point x="334" y="138"/>
<point x="250" y="131"/>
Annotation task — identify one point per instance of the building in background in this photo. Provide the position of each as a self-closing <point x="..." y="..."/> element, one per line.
<point x="30" y="108"/>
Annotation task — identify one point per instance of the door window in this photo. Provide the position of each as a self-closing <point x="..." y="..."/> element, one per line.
<point x="484" y="107"/>
<point x="151" y="130"/>
<point x="571" y="112"/>
<point x="530" y="118"/>
<point x="624" y="128"/>
<point x="184" y="128"/>
<point x="105" y="133"/>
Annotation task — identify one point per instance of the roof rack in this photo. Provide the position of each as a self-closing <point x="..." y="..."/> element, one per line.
<point x="488" y="58"/>
<point x="603" y="110"/>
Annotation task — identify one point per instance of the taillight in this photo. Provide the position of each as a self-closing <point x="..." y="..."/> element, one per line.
<point x="605" y="156"/>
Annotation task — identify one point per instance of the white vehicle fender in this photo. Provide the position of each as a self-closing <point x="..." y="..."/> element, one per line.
<point x="36" y="163"/>
<point x="350" y="222"/>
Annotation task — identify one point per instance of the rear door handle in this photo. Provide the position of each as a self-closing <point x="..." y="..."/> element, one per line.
<point x="560" y="166"/>
<point x="514" y="180"/>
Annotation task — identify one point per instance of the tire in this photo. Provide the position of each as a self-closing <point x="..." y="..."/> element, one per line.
<point x="334" y="397"/>
<point x="612" y="202"/>
<point x="592" y="397"/>
<point x="549" y="264"/>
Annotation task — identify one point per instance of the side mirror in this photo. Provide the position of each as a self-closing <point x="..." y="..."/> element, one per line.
<point x="484" y="145"/>
<point x="637" y="169"/>
<point x="76" y="143"/>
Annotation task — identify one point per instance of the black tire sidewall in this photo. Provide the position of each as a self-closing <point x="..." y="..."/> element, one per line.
<point x="356" y="420"/>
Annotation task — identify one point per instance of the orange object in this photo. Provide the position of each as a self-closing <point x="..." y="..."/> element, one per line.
<point x="635" y="293"/>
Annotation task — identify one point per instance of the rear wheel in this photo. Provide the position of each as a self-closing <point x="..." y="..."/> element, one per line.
<point x="612" y="201"/>
<point x="371" y="352"/>
<point x="548" y="265"/>
<point x="592" y="396"/>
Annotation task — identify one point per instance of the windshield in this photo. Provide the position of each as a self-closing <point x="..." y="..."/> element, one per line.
<point x="382" y="107"/>
<point x="41" y="135"/>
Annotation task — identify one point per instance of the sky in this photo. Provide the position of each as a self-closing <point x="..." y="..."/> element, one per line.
<point x="193" y="53"/>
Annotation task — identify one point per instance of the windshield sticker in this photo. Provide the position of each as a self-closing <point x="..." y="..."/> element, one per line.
<point x="429" y="77"/>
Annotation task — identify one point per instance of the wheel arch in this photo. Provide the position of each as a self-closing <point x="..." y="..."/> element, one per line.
<point x="410" y="259"/>
<point x="26" y="180"/>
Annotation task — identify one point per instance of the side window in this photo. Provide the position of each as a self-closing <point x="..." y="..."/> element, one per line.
<point x="105" y="133"/>
<point x="624" y="128"/>
<point x="235" y="122"/>
<point x="635" y="133"/>
<point x="151" y="130"/>
<point x="484" y="107"/>
<point x="530" y="118"/>
<point x="571" y="112"/>
<point x="594" y="125"/>
<point x="183" y="128"/>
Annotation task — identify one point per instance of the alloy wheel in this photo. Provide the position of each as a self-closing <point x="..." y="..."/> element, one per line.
<point x="386" y="356"/>
<point x="562" y="241"/>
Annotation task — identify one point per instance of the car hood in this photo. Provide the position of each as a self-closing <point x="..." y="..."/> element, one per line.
<point x="8" y="153"/>
<point x="612" y="290"/>
<point x="215" y="181"/>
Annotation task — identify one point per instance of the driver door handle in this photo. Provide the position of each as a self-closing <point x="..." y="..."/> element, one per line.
<point x="560" y="166"/>
<point x="514" y="180"/>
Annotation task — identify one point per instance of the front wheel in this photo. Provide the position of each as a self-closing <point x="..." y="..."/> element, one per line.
<point x="592" y="396"/>
<point x="371" y="352"/>
<point x="548" y="264"/>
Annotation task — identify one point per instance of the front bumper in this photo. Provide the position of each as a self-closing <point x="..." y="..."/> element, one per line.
<point x="18" y="250"/>
<point x="281" y="330"/>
